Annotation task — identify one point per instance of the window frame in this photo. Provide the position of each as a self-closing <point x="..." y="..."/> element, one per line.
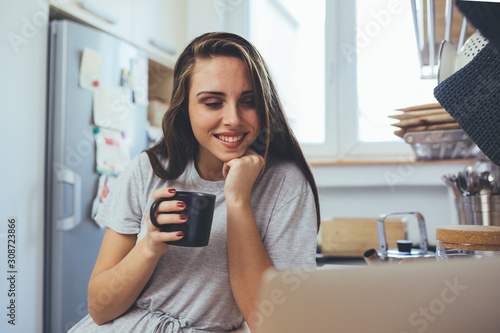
<point x="341" y="123"/>
<point x="341" y="84"/>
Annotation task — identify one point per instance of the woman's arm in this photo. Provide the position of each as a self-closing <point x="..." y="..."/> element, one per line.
<point x="121" y="271"/>
<point x="123" y="267"/>
<point x="247" y="256"/>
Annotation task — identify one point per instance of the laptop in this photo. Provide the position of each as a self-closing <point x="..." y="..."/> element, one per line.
<point x="457" y="296"/>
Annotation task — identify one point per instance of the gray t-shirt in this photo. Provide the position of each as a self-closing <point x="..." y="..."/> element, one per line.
<point x="189" y="290"/>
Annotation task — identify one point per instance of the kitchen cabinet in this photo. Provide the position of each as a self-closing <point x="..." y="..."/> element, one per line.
<point x="112" y="16"/>
<point x="159" y="29"/>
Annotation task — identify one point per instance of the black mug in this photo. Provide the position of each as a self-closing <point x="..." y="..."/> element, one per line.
<point x="199" y="210"/>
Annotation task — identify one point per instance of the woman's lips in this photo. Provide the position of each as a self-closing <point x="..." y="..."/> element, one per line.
<point x="230" y="140"/>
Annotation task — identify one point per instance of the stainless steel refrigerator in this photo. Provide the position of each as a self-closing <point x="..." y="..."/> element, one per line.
<point x="72" y="238"/>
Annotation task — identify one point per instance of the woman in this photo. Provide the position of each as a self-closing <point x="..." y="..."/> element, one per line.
<point x="225" y="133"/>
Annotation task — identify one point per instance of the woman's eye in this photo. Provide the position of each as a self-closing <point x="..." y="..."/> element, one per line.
<point x="213" y="104"/>
<point x="249" y="102"/>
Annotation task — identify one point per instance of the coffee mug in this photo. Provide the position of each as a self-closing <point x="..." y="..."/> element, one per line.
<point x="199" y="210"/>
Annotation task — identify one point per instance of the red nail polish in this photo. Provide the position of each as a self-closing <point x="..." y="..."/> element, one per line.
<point x="181" y="204"/>
<point x="171" y="190"/>
<point x="183" y="217"/>
<point x="180" y="234"/>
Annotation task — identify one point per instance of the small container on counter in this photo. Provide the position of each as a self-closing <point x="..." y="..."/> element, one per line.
<point x="461" y="241"/>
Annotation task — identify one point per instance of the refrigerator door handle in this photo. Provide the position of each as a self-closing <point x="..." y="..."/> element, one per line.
<point x="69" y="177"/>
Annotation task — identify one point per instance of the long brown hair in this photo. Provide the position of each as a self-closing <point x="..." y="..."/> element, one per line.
<point x="275" y="138"/>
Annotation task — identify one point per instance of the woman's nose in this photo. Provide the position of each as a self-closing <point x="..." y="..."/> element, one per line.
<point x="231" y="116"/>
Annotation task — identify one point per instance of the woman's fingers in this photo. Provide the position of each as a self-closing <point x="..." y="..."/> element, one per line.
<point x="225" y="169"/>
<point x="250" y="161"/>
<point x="255" y="158"/>
<point x="168" y="206"/>
<point x="171" y="218"/>
<point x="161" y="237"/>
<point x="165" y="192"/>
<point x="166" y="213"/>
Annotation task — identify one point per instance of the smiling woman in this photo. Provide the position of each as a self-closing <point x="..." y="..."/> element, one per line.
<point x="225" y="134"/>
<point x="222" y="112"/>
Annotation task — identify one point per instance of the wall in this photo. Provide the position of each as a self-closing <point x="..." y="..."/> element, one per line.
<point x="372" y="190"/>
<point x="216" y="15"/>
<point x="23" y="58"/>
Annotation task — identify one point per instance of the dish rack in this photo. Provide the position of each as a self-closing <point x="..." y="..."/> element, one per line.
<point x="444" y="144"/>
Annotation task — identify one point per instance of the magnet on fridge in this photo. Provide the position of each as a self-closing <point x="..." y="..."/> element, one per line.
<point x="96" y="130"/>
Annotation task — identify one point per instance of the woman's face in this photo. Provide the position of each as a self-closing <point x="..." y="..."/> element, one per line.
<point x="222" y="110"/>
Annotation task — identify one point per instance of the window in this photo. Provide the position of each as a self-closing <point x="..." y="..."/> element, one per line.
<point x="342" y="67"/>
<point x="290" y="35"/>
<point x="388" y="74"/>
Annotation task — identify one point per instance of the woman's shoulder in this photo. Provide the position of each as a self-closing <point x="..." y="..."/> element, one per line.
<point x="141" y="159"/>
<point x="139" y="164"/>
<point x="277" y="165"/>
<point x="142" y="163"/>
<point x="284" y="172"/>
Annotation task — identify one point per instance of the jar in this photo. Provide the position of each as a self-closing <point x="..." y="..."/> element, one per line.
<point x="459" y="241"/>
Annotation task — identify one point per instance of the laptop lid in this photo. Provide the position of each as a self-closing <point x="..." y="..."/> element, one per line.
<point x="459" y="296"/>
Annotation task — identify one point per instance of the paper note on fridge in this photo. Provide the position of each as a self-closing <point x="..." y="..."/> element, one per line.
<point x="112" y="155"/>
<point x="90" y="69"/>
<point x="106" y="183"/>
<point x="113" y="107"/>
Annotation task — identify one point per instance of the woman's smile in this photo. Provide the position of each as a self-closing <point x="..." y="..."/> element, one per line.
<point x="231" y="140"/>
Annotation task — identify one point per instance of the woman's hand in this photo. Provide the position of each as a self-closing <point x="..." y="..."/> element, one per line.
<point x="155" y="238"/>
<point x="241" y="174"/>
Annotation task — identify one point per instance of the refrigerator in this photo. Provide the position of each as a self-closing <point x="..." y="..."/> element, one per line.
<point x="72" y="238"/>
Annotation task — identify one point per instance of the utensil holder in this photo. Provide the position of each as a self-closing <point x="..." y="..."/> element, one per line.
<point x="479" y="210"/>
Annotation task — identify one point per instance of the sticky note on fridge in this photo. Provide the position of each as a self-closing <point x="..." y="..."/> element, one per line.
<point x="90" y="69"/>
<point x="113" y="107"/>
<point x="105" y="184"/>
<point x="112" y="155"/>
<point x="139" y="80"/>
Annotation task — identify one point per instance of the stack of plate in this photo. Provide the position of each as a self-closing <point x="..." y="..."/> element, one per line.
<point x="423" y="118"/>
<point x="433" y="133"/>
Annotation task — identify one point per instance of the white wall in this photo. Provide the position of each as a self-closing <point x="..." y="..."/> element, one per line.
<point x="216" y="15"/>
<point x="373" y="190"/>
<point x="22" y="136"/>
<point x="201" y="17"/>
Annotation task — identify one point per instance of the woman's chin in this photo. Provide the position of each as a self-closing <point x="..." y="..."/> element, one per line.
<point x="229" y="157"/>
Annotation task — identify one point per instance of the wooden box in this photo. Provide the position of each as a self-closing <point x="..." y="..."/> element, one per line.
<point x="351" y="237"/>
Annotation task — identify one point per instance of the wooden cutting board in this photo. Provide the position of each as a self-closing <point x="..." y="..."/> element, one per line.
<point x="425" y="120"/>
<point x="436" y="127"/>
<point x="421" y="107"/>
<point x="409" y="115"/>
<point x="351" y="237"/>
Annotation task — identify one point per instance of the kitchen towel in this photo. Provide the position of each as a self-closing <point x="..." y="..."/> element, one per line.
<point x="472" y="95"/>
<point x="484" y="16"/>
